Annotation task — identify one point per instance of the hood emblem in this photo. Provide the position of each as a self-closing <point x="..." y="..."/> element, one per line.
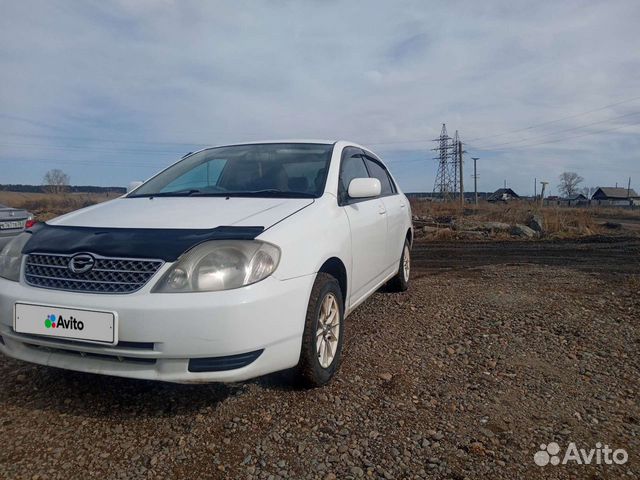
<point x="81" y="263"/>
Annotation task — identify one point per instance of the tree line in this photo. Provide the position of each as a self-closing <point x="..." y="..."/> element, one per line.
<point x="56" y="181"/>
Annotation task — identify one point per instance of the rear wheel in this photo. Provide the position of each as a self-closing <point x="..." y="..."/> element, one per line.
<point x="400" y="282"/>
<point x="323" y="333"/>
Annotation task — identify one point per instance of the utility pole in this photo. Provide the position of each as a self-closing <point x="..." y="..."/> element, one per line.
<point x="460" y="152"/>
<point x="629" y="188"/>
<point x="544" y="186"/>
<point x="535" y="189"/>
<point x="505" y="184"/>
<point x="475" y="178"/>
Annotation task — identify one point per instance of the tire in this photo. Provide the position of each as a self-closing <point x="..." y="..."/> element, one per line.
<point x="400" y="283"/>
<point x="313" y="369"/>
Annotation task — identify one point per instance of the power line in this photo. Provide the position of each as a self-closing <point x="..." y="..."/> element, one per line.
<point x="556" y="120"/>
<point x="166" y="152"/>
<point x="90" y="149"/>
<point x="102" y="140"/>
<point x="560" y="139"/>
<point x="392" y="161"/>
<point x="81" y="162"/>
<point x="395" y="142"/>
<point x="550" y="134"/>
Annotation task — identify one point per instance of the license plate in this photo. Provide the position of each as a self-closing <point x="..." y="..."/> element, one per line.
<point x="12" y="224"/>
<point x="68" y="323"/>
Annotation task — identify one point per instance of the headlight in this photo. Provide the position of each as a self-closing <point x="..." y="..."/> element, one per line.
<point x="11" y="257"/>
<point x="220" y="265"/>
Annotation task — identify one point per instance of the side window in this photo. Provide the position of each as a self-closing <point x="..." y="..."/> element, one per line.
<point x="378" y="171"/>
<point x="351" y="166"/>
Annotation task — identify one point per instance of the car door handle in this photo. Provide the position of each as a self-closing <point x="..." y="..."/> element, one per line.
<point x="402" y="205"/>
<point x="381" y="210"/>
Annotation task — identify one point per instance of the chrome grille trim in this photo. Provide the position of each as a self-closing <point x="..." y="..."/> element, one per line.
<point x="110" y="275"/>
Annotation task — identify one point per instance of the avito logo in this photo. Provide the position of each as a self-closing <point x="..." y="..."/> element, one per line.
<point x="60" y="322"/>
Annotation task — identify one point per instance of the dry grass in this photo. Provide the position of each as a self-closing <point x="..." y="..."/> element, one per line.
<point x="559" y="221"/>
<point x="620" y="213"/>
<point x="46" y="205"/>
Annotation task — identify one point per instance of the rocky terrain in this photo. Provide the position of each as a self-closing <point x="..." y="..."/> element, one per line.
<point x="519" y="220"/>
<point x="491" y="353"/>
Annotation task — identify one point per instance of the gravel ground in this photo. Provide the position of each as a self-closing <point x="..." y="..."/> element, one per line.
<point x="464" y="376"/>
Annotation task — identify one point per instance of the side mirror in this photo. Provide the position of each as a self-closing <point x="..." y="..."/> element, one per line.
<point x="133" y="185"/>
<point x="364" y="188"/>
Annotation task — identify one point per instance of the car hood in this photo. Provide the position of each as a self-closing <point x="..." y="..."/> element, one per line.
<point x="184" y="212"/>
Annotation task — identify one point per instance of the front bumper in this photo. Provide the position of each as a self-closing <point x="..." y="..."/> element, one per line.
<point x="160" y="333"/>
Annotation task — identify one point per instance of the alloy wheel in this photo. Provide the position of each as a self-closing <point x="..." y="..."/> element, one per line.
<point x="406" y="263"/>
<point x="328" y="330"/>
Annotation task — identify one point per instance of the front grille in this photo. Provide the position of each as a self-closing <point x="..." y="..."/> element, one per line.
<point x="108" y="275"/>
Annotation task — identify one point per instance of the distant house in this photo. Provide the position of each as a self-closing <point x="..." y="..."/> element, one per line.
<point x="503" y="195"/>
<point x="615" y="196"/>
<point x="577" y="198"/>
<point x="613" y="193"/>
<point x="571" y="201"/>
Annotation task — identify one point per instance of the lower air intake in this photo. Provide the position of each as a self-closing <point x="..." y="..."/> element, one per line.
<point x="221" y="364"/>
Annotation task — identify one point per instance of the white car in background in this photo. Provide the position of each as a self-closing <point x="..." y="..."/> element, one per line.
<point x="13" y="221"/>
<point x="234" y="262"/>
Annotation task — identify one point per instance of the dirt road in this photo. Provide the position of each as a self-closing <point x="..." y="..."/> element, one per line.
<point x="495" y="350"/>
<point x="590" y="254"/>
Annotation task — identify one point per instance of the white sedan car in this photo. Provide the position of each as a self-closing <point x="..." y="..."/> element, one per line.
<point x="232" y="263"/>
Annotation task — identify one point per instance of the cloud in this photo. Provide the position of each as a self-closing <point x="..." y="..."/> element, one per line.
<point x="112" y="91"/>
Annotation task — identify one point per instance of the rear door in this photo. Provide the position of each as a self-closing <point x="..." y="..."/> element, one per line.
<point x="396" y="207"/>
<point x="368" y="223"/>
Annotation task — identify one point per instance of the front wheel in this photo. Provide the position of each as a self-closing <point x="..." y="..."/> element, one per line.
<point x="323" y="333"/>
<point x="400" y="283"/>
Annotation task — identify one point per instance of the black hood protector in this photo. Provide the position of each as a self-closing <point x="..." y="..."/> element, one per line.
<point x="154" y="243"/>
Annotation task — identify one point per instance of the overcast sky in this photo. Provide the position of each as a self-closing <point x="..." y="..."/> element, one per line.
<point x="112" y="91"/>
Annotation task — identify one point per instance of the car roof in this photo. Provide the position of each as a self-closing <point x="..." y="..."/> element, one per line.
<point x="339" y="143"/>
<point x="336" y="143"/>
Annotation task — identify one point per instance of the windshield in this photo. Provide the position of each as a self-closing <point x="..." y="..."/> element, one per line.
<point x="296" y="170"/>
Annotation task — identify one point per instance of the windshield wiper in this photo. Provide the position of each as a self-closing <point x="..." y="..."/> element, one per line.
<point x="177" y="193"/>
<point x="270" y="193"/>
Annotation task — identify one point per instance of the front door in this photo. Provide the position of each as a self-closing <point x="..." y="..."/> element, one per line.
<point x="368" y="223"/>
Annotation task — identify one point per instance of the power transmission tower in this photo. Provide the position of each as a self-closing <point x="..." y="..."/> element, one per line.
<point x="455" y="158"/>
<point x="475" y="178"/>
<point x="461" y="165"/>
<point x="447" y="177"/>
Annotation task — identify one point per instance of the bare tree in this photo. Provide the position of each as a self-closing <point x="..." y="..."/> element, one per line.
<point x="569" y="183"/>
<point x="588" y="191"/>
<point x="56" y="181"/>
